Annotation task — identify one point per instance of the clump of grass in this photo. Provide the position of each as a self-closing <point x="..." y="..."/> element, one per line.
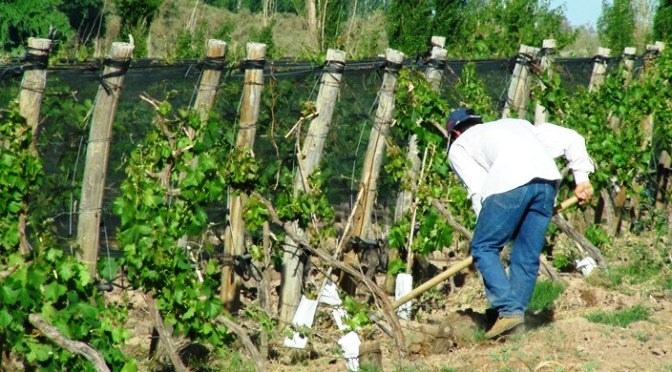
<point x="620" y="318"/>
<point x="632" y="274"/>
<point x="545" y="293"/>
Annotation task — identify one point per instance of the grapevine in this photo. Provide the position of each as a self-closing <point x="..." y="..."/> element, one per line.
<point x="47" y="281"/>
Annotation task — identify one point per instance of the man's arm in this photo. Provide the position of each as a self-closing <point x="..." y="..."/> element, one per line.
<point x="560" y="141"/>
<point x="471" y="174"/>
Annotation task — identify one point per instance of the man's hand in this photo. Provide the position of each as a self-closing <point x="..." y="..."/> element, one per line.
<point x="583" y="191"/>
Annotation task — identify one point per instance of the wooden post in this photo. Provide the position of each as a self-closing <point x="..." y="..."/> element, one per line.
<point x="98" y="147"/>
<point x="249" y="115"/>
<point x="437" y="62"/>
<point x="374" y="158"/>
<point x="212" y="72"/>
<point x="308" y="159"/>
<point x="519" y="87"/>
<point x="434" y="74"/>
<point x="33" y="84"/>
<point x="652" y="52"/>
<point x="30" y="99"/>
<point x="662" y="179"/>
<point x="629" y="63"/>
<point x="599" y="68"/>
<point x="548" y="51"/>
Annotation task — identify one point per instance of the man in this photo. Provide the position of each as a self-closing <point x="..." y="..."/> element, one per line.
<point x="508" y="169"/>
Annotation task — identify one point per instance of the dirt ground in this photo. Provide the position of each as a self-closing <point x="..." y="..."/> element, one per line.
<point x="446" y="334"/>
<point x="447" y="339"/>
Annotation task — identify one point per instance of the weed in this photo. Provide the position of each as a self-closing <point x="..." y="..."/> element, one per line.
<point x="564" y="261"/>
<point x="642" y="336"/>
<point x="591" y="366"/>
<point x="231" y="360"/>
<point x="368" y="368"/>
<point x="666" y="282"/>
<point x="598" y="236"/>
<point x="620" y="318"/>
<point x="545" y="293"/>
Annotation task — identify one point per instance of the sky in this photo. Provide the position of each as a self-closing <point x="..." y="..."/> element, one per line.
<point x="580" y="12"/>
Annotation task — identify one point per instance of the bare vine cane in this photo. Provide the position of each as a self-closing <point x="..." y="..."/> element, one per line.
<point x="385" y="304"/>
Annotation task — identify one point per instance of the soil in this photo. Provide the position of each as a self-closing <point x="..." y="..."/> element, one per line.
<point x="446" y="334"/>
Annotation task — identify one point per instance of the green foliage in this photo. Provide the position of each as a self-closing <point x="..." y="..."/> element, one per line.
<point x="46" y="282"/>
<point x="358" y="313"/>
<point x="136" y="18"/>
<point x="564" y="261"/>
<point x="620" y="318"/>
<point x="304" y="207"/>
<point x="265" y="35"/>
<point x="418" y="106"/>
<point x="616" y="25"/>
<point x="471" y="92"/>
<point x="662" y="21"/>
<point x="497" y="28"/>
<point x="21" y="19"/>
<point x="408" y="25"/>
<point x="335" y="18"/>
<point x="545" y="293"/>
<point x="598" y="236"/>
<point x="190" y="44"/>
<point x="20" y="176"/>
<point x="85" y="16"/>
<point x="72" y="22"/>
<point x="172" y="177"/>
<point x="610" y="118"/>
<point x="419" y="111"/>
<point x="449" y="19"/>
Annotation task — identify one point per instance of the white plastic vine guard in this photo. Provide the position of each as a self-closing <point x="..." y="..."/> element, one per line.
<point x="304" y="316"/>
<point x="586" y="265"/>
<point x="329" y="295"/>
<point x="350" y="348"/>
<point x="403" y="286"/>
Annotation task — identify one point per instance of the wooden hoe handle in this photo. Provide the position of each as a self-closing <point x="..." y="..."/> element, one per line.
<point x="424" y="287"/>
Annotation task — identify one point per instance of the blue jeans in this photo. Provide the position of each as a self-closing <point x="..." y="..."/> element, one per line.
<point x="521" y="215"/>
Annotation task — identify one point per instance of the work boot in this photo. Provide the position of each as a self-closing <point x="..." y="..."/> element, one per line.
<point x="504" y="324"/>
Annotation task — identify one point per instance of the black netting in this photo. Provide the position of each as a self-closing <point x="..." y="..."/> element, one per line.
<point x="71" y="90"/>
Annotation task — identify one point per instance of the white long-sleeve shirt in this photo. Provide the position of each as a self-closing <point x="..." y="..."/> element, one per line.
<point x="501" y="155"/>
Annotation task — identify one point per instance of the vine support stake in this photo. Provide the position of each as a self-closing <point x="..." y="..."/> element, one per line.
<point x="97" y="150"/>
<point x="599" y="68"/>
<point x="30" y="99"/>
<point x="437" y="62"/>
<point x="545" y="64"/>
<point x="33" y="84"/>
<point x="209" y="82"/>
<point x="249" y="115"/>
<point x="309" y="159"/>
<point x="519" y="86"/>
<point x="434" y="74"/>
<point x="628" y="60"/>
<point x="374" y="159"/>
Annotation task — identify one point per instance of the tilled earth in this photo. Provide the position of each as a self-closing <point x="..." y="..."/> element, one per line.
<point x="446" y="334"/>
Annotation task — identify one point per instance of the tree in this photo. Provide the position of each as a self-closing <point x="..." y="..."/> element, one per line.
<point x="497" y="28"/>
<point x="21" y="19"/>
<point x="335" y="17"/>
<point x="662" y="21"/>
<point x="616" y="25"/>
<point x="136" y="18"/>
<point x="448" y="20"/>
<point x="409" y="24"/>
<point x="85" y="16"/>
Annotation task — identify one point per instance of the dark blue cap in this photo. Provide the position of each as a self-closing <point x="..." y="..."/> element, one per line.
<point x="459" y="116"/>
